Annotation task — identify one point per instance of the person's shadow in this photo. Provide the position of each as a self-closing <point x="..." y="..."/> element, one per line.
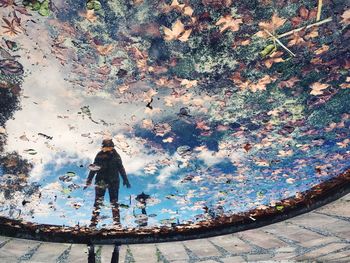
<point x="92" y="255"/>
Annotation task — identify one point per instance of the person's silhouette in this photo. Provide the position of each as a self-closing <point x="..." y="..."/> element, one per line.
<point x="107" y="167"/>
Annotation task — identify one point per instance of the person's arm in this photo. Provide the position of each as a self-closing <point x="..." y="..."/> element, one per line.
<point x="91" y="173"/>
<point x="122" y="172"/>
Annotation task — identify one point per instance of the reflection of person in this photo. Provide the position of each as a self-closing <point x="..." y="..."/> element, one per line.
<point x="107" y="168"/>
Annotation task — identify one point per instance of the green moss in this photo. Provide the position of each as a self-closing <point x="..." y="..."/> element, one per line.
<point x="118" y="7"/>
<point x="332" y="110"/>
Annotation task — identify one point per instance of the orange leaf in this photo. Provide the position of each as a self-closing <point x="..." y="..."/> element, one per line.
<point x="346" y="17"/>
<point x="275" y="23"/>
<point x="318" y="88"/>
<point x="228" y="22"/>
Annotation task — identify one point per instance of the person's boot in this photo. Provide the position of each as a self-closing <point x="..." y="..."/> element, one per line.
<point x="94" y="219"/>
<point x="116" y="217"/>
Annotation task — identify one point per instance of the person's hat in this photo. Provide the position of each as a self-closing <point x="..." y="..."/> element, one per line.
<point x="107" y="143"/>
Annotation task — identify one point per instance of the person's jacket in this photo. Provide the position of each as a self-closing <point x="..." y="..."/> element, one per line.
<point x="111" y="167"/>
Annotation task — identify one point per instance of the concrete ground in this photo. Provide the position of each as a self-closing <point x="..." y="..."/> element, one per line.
<point x="322" y="235"/>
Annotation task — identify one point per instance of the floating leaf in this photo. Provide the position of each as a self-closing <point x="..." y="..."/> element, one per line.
<point x="11" y="67"/>
<point x="71" y="174"/>
<point x="94" y="167"/>
<point x="268" y="50"/>
<point x="66" y="191"/>
<point x="279" y="207"/>
<point x="31" y="151"/>
<point x="44" y="9"/>
<point x="93" y="4"/>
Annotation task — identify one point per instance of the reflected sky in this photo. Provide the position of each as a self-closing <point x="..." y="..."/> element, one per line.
<point x="203" y="130"/>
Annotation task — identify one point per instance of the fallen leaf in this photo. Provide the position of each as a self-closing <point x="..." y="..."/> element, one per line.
<point x="296" y="40"/>
<point x="89" y="15"/>
<point x="344" y="143"/>
<point x="318" y="88"/>
<point x="275" y="57"/>
<point x="288" y="83"/>
<point x="104" y="49"/>
<point x="188" y="11"/>
<point x="189" y="83"/>
<point x="177" y="32"/>
<point x="247" y="147"/>
<point x="290" y="181"/>
<point x="176" y="4"/>
<point x="346" y="17"/>
<point x="321" y="50"/>
<point x="271" y="26"/>
<point x="228" y="22"/>
<point x="261" y="84"/>
<point x="169" y="140"/>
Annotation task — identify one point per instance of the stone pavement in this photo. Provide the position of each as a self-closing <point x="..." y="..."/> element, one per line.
<point x="322" y="235"/>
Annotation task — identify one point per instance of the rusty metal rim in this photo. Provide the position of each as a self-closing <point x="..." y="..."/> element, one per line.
<point x="315" y="197"/>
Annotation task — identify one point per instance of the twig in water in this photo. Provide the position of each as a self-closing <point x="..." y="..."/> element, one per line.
<point x="319" y="10"/>
<point x="279" y="42"/>
<point x="329" y="19"/>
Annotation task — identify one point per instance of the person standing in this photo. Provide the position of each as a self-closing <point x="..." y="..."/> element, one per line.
<point x="107" y="167"/>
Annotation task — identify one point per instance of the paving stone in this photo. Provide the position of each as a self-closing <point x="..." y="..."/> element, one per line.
<point x="336" y="256"/>
<point x="209" y="261"/>
<point x="322" y="251"/>
<point x="173" y="251"/>
<point x="78" y="254"/>
<point x="231" y="244"/>
<point x="122" y="253"/>
<point x="16" y="248"/>
<point x="258" y="257"/>
<point x="285" y="249"/>
<point x="106" y="253"/>
<point x="3" y="239"/>
<point x="294" y="232"/>
<point x="319" y="241"/>
<point x="339" y="208"/>
<point x="144" y="253"/>
<point x="236" y="259"/>
<point x="202" y="248"/>
<point x="262" y="239"/>
<point x="339" y="228"/>
<point x="284" y="256"/>
<point x="48" y="253"/>
<point x="312" y="220"/>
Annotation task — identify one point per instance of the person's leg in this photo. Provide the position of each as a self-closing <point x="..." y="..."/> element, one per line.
<point x="99" y="196"/>
<point x="113" y="197"/>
